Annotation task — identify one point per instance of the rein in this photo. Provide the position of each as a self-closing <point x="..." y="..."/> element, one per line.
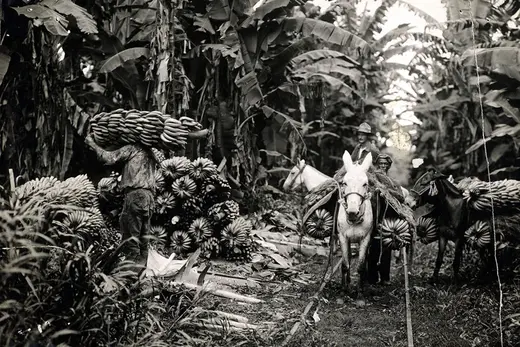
<point x="299" y="174"/>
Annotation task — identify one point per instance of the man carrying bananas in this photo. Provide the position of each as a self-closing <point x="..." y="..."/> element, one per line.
<point x="379" y="257"/>
<point x="138" y="185"/>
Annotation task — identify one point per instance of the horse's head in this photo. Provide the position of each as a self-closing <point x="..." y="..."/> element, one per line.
<point x="295" y="178"/>
<point x="424" y="189"/>
<point x="355" y="186"/>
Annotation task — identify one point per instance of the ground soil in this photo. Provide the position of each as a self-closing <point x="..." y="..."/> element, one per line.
<point x="443" y="315"/>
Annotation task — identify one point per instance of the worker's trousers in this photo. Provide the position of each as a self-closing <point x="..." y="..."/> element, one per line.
<point x="135" y="222"/>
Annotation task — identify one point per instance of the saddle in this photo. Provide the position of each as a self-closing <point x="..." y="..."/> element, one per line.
<point x="326" y="195"/>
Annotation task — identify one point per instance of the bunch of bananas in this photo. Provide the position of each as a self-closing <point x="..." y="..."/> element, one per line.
<point x="395" y="233"/>
<point x="478" y="235"/>
<point x="35" y="188"/>
<point x="236" y="240"/>
<point x="181" y="242"/>
<point x="427" y="230"/>
<point x="194" y="208"/>
<point x="150" y="128"/>
<point x="319" y="224"/>
<point x="503" y="196"/>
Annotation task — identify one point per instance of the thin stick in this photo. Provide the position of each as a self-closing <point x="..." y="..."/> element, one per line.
<point x="407" y="296"/>
<point x="11" y="180"/>
<point x="296" y="325"/>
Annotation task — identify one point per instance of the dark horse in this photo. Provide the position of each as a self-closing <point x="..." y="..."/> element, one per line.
<point x="449" y="209"/>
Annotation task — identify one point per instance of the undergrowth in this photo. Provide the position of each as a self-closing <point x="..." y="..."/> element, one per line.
<point x="56" y="290"/>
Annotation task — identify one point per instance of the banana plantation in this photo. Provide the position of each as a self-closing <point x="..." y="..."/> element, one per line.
<point x="260" y="173"/>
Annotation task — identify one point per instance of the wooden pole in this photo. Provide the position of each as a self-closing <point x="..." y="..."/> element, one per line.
<point x="297" y="325"/>
<point x="409" y="330"/>
<point x="11" y="180"/>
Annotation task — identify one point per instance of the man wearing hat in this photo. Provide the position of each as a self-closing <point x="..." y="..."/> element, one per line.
<point x="379" y="258"/>
<point x="364" y="145"/>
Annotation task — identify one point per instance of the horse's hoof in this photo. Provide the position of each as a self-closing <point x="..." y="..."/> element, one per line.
<point x="360" y="303"/>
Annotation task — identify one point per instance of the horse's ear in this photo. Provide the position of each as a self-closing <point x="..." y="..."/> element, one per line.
<point x="367" y="162"/>
<point x="302" y="162"/>
<point x="347" y="160"/>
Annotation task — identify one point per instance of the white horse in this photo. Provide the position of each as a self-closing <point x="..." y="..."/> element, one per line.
<point x="310" y="177"/>
<point x="355" y="216"/>
<point x="303" y="174"/>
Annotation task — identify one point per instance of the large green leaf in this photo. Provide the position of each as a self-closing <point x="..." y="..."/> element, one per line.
<point x="85" y="21"/>
<point x="54" y="22"/>
<point x="327" y="32"/>
<point x="432" y="22"/>
<point x="371" y="25"/>
<point x="120" y="58"/>
<point x="393" y="34"/>
<point x="495" y="98"/>
<point x="492" y="57"/>
<point x="500" y="131"/>
<point x="334" y="83"/>
<point x="333" y="66"/>
<point x="498" y="152"/>
<point x="5" y="60"/>
<point x="437" y="105"/>
<point x="263" y="10"/>
<point x="219" y="10"/>
<point x="250" y="88"/>
<point x="318" y="54"/>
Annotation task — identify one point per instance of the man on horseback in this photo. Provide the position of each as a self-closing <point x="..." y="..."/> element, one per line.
<point x="379" y="258"/>
<point x="364" y="145"/>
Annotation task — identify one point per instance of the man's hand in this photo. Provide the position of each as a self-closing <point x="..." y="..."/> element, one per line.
<point x="90" y="141"/>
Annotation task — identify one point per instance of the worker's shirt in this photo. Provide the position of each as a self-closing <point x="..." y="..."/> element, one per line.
<point x="139" y="168"/>
<point x="361" y="151"/>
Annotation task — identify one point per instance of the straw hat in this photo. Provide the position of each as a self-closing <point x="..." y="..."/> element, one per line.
<point x="365" y="128"/>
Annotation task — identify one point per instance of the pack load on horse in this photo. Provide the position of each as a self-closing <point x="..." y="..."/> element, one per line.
<point x="462" y="213"/>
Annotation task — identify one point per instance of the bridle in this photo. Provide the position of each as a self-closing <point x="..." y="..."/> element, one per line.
<point x="343" y="201"/>
<point x="300" y="171"/>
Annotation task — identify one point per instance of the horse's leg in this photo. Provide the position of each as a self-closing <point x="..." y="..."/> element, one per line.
<point x="362" y="257"/>
<point x="438" y="261"/>
<point x="345" y="265"/>
<point x="457" y="261"/>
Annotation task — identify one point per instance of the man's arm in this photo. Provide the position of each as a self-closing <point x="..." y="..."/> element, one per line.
<point x="110" y="157"/>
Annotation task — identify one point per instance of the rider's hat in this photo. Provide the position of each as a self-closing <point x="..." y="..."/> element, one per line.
<point x="384" y="157"/>
<point x="365" y="128"/>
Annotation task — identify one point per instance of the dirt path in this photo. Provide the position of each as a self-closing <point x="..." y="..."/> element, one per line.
<point x="443" y="316"/>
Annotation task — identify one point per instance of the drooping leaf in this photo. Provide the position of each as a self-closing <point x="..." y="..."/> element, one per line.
<point x="421" y="13"/>
<point x="428" y="135"/>
<point x="54" y="22"/>
<point x="498" y="152"/>
<point x="393" y="34"/>
<point x="496" y="99"/>
<point x="322" y="133"/>
<point x="500" y="131"/>
<point x="5" y="60"/>
<point x="85" y="21"/>
<point x="492" y="57"/>
<point x="505" y="169"/>
<point x="263" y="10"/>
<point x="120" y="58"/>
<point x="318" y="54"/>
<point x="219" y="10"/>
<point x="335" y="67"/>
<point x="334" y="83"/>
<point x="437" y="105"/>
<point x="250" y="88"/>
<point x="327" y="32"/>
